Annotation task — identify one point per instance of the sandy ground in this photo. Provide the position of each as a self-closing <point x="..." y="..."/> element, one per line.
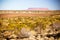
<point x="24" y="15"/>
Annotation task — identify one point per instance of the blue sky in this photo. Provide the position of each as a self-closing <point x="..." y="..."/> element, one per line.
<point x="25" y="4"/>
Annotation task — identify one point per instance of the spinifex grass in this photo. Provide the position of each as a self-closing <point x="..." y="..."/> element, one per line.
<point x="27" y="22"/>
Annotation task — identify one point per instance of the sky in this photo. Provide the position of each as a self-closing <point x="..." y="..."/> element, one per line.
<point x="25" y="4"/>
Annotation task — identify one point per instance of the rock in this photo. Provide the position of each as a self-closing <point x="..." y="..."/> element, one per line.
<point x="1" y="36"/>
<point x="6" y="34"/>
<point x="13" y="36"/>
<point x="13" y="39"/>
<point x="9" y="34"/>
<point x="46" y="38"/>
<point x="32" y="37"/>
<point x="51" y="38"/>
<point x="24" y="33"/>
<point x="32" y="32"/>
<point x="58" y="38"/>
<point x="19" y="39"/>
<point x="56" y="25"/>
<point x="25" y="39"/>
<point x="2" y="39"/>
<point x="48" y="30"/>
<point x="38" y="28"/>
<point x="41" y="39"/>
<point x="38" y="37"/>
